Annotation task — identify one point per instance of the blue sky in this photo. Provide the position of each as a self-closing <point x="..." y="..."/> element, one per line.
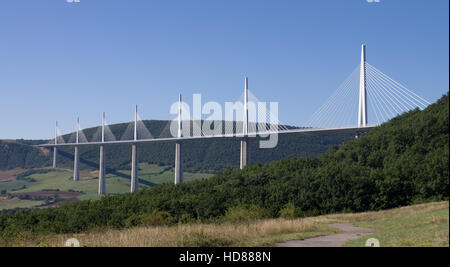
<point x="61" y="60"/>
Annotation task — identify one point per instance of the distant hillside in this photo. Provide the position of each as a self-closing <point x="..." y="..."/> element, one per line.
<point x="202" y="155"/>
<point x="401" y="162"/>
<point x="14" y="154"/>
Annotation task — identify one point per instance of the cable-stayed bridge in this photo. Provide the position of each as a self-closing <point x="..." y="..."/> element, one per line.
<point x="366" y="95"/>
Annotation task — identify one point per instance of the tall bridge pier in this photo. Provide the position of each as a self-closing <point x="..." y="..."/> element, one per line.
<point x="101" y="171"/>
<point x="244" y="141"/>
<point x="76" y="159"/>
<point x="134" y="159"/>
<point x="55" y="150"/>
<point x="178" y="163"/>
<point x="178" y="148"/>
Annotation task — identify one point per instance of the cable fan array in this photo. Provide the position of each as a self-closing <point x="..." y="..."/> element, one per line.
<point x="386" y="99"/>
<point x="261" y="120"/>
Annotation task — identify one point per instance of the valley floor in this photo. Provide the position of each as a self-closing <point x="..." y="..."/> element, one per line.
<point x="49" y="187"/>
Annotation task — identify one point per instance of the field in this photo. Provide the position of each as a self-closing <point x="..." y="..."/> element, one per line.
<point x="60" y="181"/>
<point x="9" y="175"/>
<point x="410" y="227"/>
<point x="418" y="225"/>
<point x="11" y="203"/>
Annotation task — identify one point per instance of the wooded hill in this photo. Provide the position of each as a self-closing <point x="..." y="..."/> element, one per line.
<point x="198" y="156"/>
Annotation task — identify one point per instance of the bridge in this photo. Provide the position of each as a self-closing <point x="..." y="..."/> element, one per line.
<point x="366" y="89"/>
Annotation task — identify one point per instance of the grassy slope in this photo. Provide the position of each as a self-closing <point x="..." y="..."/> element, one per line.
<point x="417" y="225"/>
<point x="421" y="229"/>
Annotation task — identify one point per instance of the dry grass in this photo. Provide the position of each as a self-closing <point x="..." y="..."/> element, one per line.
<point x="256" y="233"/>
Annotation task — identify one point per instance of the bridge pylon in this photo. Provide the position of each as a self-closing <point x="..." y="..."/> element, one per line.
<point x="244" y="141"/>
<point x="55" y="150"/>
<point x="178" y="148"/>
<point x="76" y="156"/>
<point x="101" y="171"/>
<point x="362" y="109"/>
<point x="134" y="159"/>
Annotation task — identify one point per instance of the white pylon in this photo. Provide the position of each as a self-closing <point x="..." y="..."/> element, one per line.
<point x="78" y="130"/>
<point x="135" y="122"/>
<point x="180" y="129"/>
<point x="103" y="127"/>
<point x="245" y="126"/>
<point x="244" y="154"/>
<point x="56" y="133"/>
<point x="362" y="109"/>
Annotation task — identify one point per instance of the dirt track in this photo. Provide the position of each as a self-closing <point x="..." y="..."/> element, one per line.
<point x="349" y="232"/>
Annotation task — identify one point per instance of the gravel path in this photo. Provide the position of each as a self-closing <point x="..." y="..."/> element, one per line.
<point x="349" y="232"/>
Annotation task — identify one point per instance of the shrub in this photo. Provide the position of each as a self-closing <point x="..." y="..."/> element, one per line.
<point x="290" y="211"/>
<point x="186" y="219"/>
<point x="156" y="218"/>
<point x="203" y="239"/>
<point x="245" y="213"/>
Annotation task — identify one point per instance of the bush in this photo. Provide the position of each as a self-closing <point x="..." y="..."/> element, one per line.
<point x="245" y="214"/>
<point x="202" y="239"/>
<point x="186" y="219"/>
<point x="156" y="218"/>
<point x="290" y="211"/>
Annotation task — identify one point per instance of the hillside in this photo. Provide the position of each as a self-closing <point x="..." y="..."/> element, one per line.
<point x="14" y="154"/>
<point x="402" y="162"/>
<point x="199" y="156"/>
<point x="26" y="176"/>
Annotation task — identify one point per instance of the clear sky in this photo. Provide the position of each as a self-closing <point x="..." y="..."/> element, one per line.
<point x="60" y="60"/>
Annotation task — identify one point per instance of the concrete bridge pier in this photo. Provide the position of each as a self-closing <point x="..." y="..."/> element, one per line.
<point x="134" y="169"/>
<point x="178" y="148"/>
<point x="55" y="153"/>
<point x="101" y="172"/>
<point x="244" y="141"/>
<point x="76" y="168"/>
<point x="178" y="163"/>
<point x="76" y="156"/>
<point x="244" y="154"/>
<point x="134" y="159"/>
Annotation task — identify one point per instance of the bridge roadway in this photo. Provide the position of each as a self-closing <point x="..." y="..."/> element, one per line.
<point x="308" y="131"/>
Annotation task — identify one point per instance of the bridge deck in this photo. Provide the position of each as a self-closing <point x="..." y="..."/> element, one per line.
<point x="238" y="135"/>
